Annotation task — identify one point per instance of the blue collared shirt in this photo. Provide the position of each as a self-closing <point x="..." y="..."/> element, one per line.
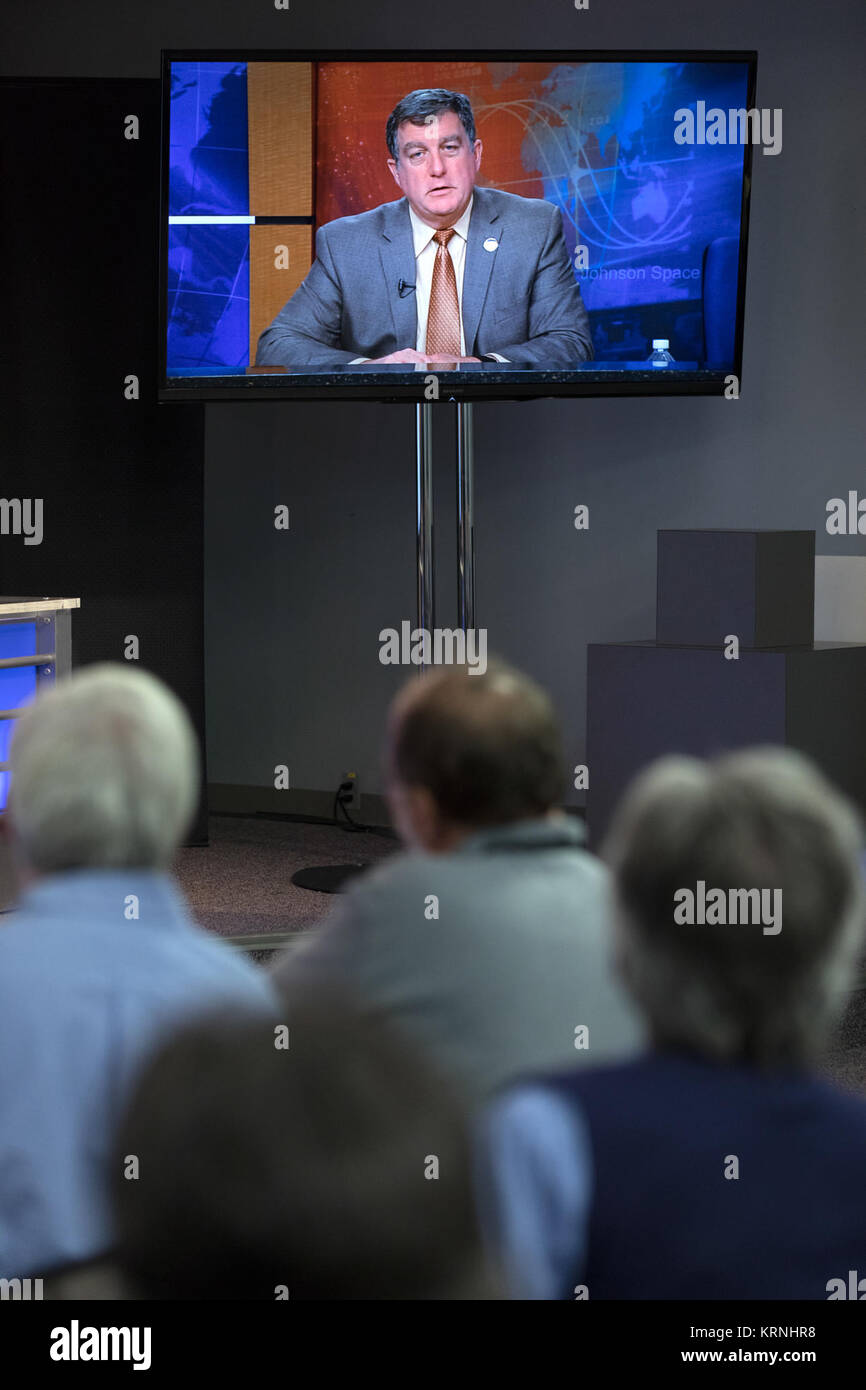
<point x="535" y="1186"/>
<point x="95" y="968"/>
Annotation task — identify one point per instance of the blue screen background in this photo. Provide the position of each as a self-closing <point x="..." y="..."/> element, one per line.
<point x="208" y="266"/>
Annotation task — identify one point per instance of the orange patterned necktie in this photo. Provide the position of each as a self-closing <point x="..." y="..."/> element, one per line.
<point x="443" y="316"/>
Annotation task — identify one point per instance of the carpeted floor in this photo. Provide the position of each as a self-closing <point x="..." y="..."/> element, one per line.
<point x="240" y="887"/>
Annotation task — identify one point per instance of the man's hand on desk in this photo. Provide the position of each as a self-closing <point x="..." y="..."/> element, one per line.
<point x="444" y="357"/>
<point x="411" y="355"/>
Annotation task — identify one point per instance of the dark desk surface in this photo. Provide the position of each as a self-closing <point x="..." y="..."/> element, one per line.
<point x="489" y="370"/>
<point x="470" y="380"/>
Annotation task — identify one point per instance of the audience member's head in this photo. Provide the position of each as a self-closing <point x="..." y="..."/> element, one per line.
<point x="336" y="1167"/>
<point x="765" y="992"/>
<point x="104" y="773"/>
<point x="468" y="751"/>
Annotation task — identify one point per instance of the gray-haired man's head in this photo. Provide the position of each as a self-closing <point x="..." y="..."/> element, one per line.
<point x="690" y="844"/>
<point x="105" y="773"/>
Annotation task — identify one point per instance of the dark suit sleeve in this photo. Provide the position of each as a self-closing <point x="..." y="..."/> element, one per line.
<point x="306" y="331"/>
<point x="559" y="332"/>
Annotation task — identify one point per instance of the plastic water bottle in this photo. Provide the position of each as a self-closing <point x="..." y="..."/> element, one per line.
<point x="660" y="357"/>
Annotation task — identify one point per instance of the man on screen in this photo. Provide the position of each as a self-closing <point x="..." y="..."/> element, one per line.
<point x="451" y="272"/>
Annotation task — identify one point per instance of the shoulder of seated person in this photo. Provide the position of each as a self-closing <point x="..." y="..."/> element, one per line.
<point x="406" y="868"/>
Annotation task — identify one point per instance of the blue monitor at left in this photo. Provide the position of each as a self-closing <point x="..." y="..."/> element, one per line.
<point x="17" y="686"/>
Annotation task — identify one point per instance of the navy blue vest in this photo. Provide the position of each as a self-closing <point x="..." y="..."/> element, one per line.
<point x="666" y="1222"/>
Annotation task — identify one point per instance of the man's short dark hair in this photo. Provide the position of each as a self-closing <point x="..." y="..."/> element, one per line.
<point x="486" y="746"/>
<point x="425" y="103"/>
<point x="298" y="1167"/>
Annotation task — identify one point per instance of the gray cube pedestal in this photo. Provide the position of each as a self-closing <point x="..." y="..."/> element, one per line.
<point x="756" y="585"/>
<point x="645" y="699"/>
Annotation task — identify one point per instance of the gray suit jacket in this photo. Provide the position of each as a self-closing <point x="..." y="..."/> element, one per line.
<point x="358" y="300"/>
<point x="494" y="985"/>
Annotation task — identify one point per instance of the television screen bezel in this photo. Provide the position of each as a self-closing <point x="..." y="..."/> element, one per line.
<point x="405" y="386"/>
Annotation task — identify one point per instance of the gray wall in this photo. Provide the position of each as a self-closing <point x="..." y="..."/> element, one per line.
<point x="293" y="619"/>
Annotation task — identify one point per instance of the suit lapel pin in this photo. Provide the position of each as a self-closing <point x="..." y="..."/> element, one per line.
<point x="491" y="244"/>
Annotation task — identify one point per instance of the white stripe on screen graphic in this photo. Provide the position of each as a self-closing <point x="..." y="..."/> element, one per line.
<point x="212" y="221"/>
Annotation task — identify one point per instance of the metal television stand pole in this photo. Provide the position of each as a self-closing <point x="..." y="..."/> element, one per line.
<point x="465" y="514"/>
<point x="330" y="878"/>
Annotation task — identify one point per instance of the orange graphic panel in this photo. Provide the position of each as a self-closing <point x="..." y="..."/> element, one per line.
<point x="355" y="100"/>
<point x="280" y="123"/>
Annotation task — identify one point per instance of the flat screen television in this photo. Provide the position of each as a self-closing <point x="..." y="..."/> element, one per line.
<point x="457" y="226"/>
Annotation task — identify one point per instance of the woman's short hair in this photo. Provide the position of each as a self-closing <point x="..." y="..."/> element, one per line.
<point x="760" y="819"/>
<point x="105" y="772"/>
